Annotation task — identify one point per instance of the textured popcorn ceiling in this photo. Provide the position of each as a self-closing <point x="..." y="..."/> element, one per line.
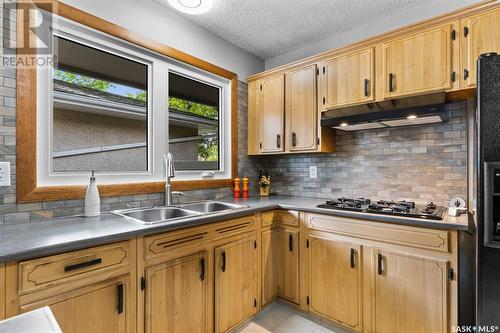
<point x="268" y="28"/>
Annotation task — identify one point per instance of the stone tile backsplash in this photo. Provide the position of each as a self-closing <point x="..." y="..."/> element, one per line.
<point x="419" y="163"/>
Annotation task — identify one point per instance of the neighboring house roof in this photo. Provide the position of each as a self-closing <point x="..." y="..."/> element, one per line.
<point x="69" y="96"/>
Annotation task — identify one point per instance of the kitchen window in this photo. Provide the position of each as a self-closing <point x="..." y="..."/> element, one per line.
<point x="116" y="108"/>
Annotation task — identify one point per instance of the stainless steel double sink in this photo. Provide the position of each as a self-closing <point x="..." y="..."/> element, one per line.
<point x="154" y="215"/>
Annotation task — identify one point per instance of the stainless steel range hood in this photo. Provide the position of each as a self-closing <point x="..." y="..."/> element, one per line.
<point x="410" y="111"/>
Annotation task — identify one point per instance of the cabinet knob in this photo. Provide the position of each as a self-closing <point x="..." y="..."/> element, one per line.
<point x="379" y="264"/>
<point x="353" y="258"/>
<point x="294" y="139"/>
<point x="278" y="140"/>
<point x="367" y="86"/>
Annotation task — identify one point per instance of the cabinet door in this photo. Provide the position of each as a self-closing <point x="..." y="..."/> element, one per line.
<point x="272" y="114"/>
<point x="105" y="307"/>
<point x="409" y="293"/>
<point x="288" y="264"/>
<point x="348" y="80"/>
<point x="176" y="296"/>
<point x="269" y="255"/>
<point x="419" y="63"/>
<point x="253" y="139"/>
<point x="235" y="283"/>
<point x="301" y="109"/>
<point x="481" y="35"/>
<point x="336" y="280"/>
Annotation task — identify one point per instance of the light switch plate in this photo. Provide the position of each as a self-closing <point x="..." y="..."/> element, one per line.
<point x="313" y="171"/>
<point x="4" y="173"/>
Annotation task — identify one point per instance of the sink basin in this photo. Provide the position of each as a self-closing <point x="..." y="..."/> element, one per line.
<point x="156" y="215"/>
<point x="153" y="215"/>
<point x="206" y="207"/>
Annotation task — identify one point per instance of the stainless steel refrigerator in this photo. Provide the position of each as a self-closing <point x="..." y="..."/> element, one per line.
<point x="486" y="190"/>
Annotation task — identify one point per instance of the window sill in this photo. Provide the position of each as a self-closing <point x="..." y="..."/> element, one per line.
<point x="52" y="193"/>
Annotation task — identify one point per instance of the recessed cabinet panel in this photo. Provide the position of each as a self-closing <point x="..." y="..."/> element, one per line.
<point x="336" y="282"/>
<point x="176" y="296"/>
<point x="481" y="35"/>
<point x="419" y="63"/>
<point x="272" y="114"/>
<point x="410" y="293"/>
<point x="301" y="109"/>
<point x="348" y="80"/>
<point x="235" y="283"/>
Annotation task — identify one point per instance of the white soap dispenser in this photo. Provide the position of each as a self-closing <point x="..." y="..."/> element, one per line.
<point x="92" y="199"/>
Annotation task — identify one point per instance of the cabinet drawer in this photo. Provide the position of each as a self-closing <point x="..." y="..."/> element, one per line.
<point x="158" y="244"/>
<point x="432" y="239"/>
<point x="62" y="268"/>
<point x="234" y="227"/>
<point x="283" y="217"/>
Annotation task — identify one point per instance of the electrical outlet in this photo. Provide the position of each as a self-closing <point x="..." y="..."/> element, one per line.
<point x="4" y="173"/>
<point x="313" y="171"/>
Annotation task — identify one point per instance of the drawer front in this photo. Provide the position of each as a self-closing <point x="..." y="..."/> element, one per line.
<point x="159" y="244"/>
<point x="282" y="217"/>
<point x="54" y="270"/>
<point x="432" y="239"/>
<point x="234" y="227"/>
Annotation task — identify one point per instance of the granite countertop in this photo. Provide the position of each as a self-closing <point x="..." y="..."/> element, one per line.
<point x="35" y="239"/>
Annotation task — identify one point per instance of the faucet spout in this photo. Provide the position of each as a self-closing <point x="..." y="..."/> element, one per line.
<point x="168" y="160"/>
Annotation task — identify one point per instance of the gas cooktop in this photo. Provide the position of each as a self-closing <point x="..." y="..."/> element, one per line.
<point x="398" y="208"/>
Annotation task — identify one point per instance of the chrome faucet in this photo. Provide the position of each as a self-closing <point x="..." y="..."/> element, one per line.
<point x="168" y="161"/>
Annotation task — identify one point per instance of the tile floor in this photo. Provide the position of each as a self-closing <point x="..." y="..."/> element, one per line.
<point x="279" y="318"/>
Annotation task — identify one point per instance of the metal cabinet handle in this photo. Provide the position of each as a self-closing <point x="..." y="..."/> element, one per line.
<point x="391" y="82"/>
<point x="353" y="259"/>
<point x="290" y="242"/>
<point x="120" y="298"/>
<point x="202" y="269"/>
<point x="278" y="140"/>
<point x="294" y="139"/>
<point x="83" y="264"/>
<point x="367" y="84"/>
<point x="223" y="255"/>
<point x="379" y="264"/>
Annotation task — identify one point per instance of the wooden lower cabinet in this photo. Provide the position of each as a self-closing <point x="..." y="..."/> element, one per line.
<point x="235" y="283"/>
<point x="104" y="307"/>
<point x="288" y="264"/>
<point x="336" y="280"/>
<point x="410" y="293"/>
<point x="269" y="255"/>
<point x="177" y="295"/>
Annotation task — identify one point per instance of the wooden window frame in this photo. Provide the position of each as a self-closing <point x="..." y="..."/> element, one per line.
<point x="27" y="189"/>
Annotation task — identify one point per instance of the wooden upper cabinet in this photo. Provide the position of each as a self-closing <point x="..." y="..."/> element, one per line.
<point x="419" y="63"/>
<point x="481" y="35"/>
<point x="177" y="295"/>
<point x="410" y="293"/>
<point x="301" y="109"/>
<point x="254" y="118"/>
<point x="336" y="281"/>
<point x="235" y="283"/>
<point x="348" y="79"/>
<point x="272" y="114"/>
